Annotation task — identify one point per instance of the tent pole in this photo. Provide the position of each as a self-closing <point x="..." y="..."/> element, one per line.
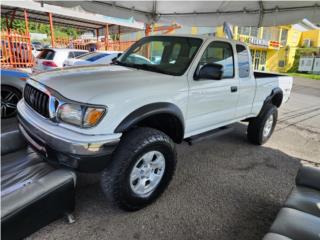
<point x="106" y="37"/>
<point x="26" y="20"/>
<point x="119" y="37"/>
<point x="148" y="30"/>
<point x="51" y="29"/>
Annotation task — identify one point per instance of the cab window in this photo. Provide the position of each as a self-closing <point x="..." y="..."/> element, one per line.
<point x="220" y="53"/>
<point x="243" y="61"/>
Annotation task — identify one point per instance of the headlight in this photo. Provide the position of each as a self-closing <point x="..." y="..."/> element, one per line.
<point x="81" y="116"/>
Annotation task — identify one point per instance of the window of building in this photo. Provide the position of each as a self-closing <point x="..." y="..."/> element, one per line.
<point x="243" y="61"/>
<point x="284" y="37"/>
<point x="259" y="59"/>
<point x="281" y="63"/>
<point x="254" y="31"/>
<point x="220" y="53"/>
<point x="249" y="31"/>
<point x="271" y="33"/>
<point x="244" y="31"/>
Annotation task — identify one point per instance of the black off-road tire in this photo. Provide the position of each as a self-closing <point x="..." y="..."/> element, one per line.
<point x="115" y="178"/>
<point x="256" y="125"/>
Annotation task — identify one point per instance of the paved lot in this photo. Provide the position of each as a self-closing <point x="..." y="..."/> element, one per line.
<point x="224" y="188"/>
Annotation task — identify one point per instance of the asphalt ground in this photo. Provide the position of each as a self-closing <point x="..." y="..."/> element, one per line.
<point x="224" y="188"/>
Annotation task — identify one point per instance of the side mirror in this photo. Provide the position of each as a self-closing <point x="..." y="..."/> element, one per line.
<point x="211" y="71"/>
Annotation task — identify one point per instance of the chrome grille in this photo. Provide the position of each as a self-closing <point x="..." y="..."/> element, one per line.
<point x="37" y="99"/>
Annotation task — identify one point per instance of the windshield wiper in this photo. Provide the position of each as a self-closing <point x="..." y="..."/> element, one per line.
<point x="117" y="62"/>
<point x="144" y="66"/>
<point x="151" y="68"/>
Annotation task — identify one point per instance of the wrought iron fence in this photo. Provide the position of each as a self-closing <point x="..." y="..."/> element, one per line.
<point x="16" y="49"/>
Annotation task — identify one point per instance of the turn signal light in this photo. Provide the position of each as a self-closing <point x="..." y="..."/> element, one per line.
<point x="92" y="116"/>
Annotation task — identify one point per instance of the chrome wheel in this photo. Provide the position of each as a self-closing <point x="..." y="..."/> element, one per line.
<point x="268" y="126"/>
<point x="9" y="101"/>
<point x="147" y="173"/>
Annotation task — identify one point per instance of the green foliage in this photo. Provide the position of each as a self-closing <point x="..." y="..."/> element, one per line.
<point x="36" y="27"/>
<point x="306" y="75"/>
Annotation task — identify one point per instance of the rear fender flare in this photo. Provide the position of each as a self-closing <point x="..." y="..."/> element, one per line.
<point x="274" y="98"/>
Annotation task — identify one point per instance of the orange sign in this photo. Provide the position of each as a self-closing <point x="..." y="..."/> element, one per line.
<point x="274" y="44"/>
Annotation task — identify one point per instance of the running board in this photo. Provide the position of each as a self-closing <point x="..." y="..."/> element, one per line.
<point x="210" y="134"/>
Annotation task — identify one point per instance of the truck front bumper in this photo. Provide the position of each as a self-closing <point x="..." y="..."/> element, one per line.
<point x="86" y="153"/>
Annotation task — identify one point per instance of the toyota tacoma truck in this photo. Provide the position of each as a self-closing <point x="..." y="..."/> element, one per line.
<point x="124" y="119"/>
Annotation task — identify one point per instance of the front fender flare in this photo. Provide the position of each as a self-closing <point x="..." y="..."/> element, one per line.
<point x="147" y="111"/>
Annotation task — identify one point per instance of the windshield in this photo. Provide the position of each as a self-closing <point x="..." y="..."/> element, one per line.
<point x="164" y="54"/>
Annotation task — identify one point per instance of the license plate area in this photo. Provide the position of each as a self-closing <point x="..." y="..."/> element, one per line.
<point x="37" y="145"/>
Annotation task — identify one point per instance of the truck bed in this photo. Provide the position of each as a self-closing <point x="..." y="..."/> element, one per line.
<point x="284" y="81"/>
<point x="258" y="74"/>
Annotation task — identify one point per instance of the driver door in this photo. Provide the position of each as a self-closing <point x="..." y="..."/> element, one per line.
<point x="213" y="102"/>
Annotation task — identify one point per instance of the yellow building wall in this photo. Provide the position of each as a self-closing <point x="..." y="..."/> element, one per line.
<point x="194" y="30"/>
<point x="314" y="35"/>
<point x="288" y="52"/>
<point x="293" y="37"/>
<point x="272" y="60"/>
<point x="220" y="32"/>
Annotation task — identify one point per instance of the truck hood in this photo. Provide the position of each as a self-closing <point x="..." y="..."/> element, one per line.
<point x="82" y="83"/>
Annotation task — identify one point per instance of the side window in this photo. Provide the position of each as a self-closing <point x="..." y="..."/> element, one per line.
<point x="70" y="55"/>
<point x="220" y="53"/>
<point x="77" y="54"/>
<point x="175" y="53"/>
<point x="243" y="61"/>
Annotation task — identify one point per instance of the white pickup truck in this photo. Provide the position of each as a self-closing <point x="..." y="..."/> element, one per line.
<point x="124" y="119"/>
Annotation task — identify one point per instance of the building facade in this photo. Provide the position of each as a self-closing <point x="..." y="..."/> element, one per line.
<point x="274" y="48"/>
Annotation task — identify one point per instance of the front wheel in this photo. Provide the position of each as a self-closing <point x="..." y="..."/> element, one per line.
<point x="261" y="128"/>
<point x="141" y="169"/>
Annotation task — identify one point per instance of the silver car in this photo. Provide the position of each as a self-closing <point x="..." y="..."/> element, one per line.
<point x="51" y="58"/>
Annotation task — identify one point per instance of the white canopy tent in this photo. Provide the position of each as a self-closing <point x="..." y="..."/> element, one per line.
<point x="204" y="13"/>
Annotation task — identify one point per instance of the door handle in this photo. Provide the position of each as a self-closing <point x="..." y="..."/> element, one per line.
<point x="234" y="88"/>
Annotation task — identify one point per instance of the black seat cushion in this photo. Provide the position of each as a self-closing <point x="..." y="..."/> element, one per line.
<point x="275" y="236"/>
<point x="20" y="166"/>
<point x="33" y="193"/>
<point x="296" y="225"/>
<point x="11" y="141"/>
<point x="308" y="177"/>
<point x="305" y="199"/>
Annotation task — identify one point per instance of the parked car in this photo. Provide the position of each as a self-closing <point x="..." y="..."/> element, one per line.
<point x="100" y="57"/>
<point x="37" y="45"/>
<point x="125" y="119"/>
<point x="36" y="48"/>
<point x="12" y="84"/>
<point x="51" y="58"/>
<point x="21" y="52"/>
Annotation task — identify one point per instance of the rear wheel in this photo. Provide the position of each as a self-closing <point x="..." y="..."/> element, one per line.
<point x="141" y="169"/>
<point x="261" y="128"/>
<point x="10" y="97"/>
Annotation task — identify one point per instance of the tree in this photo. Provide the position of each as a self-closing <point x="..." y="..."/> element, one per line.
<point x="59" y="31"/>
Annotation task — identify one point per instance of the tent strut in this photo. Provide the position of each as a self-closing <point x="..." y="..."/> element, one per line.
<point x="271" y="10"/>
<point x="261" y="13"/>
